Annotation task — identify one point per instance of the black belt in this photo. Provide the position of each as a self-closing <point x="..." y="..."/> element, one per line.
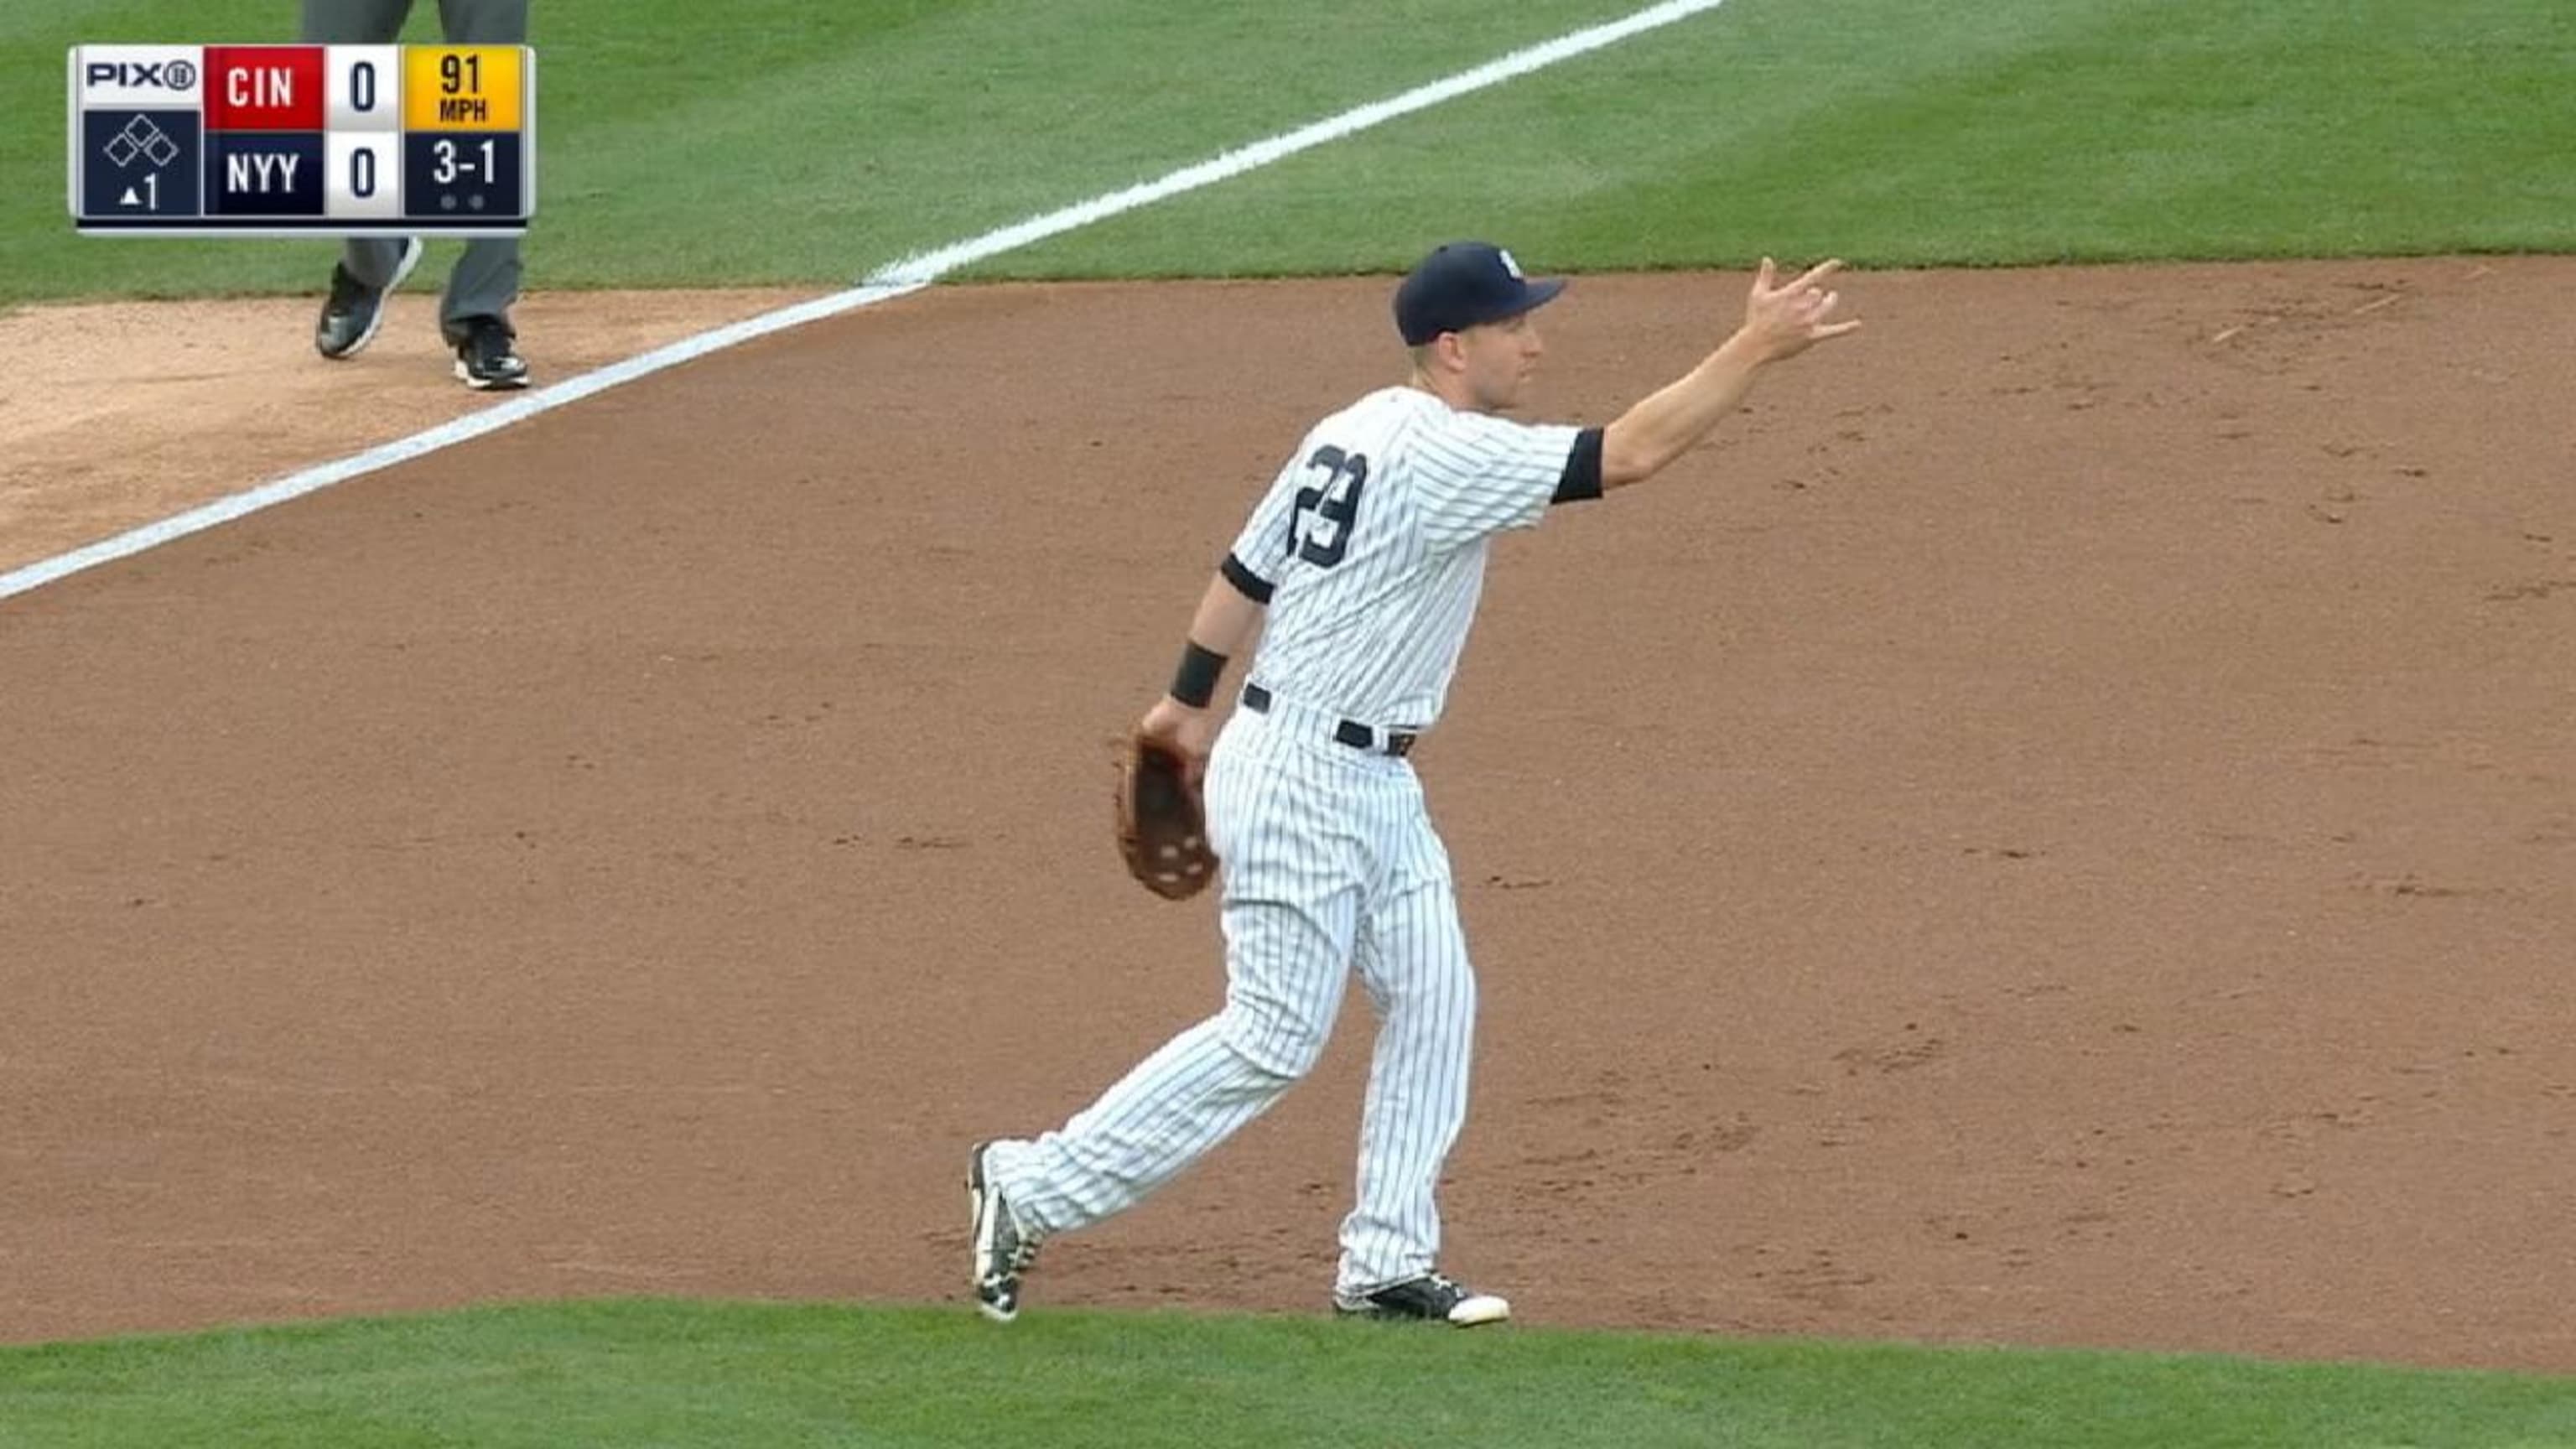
<point x="1349" y="732"/>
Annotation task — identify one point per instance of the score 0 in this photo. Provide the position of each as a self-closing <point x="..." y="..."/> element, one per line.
<point x="362" y="158"/>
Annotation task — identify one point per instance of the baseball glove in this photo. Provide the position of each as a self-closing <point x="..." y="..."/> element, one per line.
<point x="1162" y="824"/>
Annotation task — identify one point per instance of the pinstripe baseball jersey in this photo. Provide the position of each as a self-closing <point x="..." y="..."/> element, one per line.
<point x="1370" y="546"/>
<point x="1368" y="552"/>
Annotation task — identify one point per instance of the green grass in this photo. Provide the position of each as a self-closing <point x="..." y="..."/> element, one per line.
<point x="777" y="141"/>
<point x="605" y="1375"/>
<point x="1922" y="132"/>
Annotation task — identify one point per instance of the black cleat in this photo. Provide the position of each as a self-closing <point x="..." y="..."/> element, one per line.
<point x="1002" y="1251"/>
<point x="488" y="359"/>
<point x="354" y="311"/>
<point x="1431" y="1298"/>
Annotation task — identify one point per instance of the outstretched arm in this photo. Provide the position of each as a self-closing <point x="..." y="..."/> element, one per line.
<point x="1779" y="323"/>
<point x="1227" y="621"/>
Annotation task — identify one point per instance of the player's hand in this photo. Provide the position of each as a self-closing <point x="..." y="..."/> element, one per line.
<point x="1783" y="320"/>
<point x="1190" y="731"/>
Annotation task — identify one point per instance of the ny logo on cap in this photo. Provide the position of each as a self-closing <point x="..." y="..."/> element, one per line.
<point x="1510" y="265"/>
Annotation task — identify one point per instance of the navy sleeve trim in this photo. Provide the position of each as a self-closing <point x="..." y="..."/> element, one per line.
<point x="1256" y="588"/>
<point x="1582" y="477"/>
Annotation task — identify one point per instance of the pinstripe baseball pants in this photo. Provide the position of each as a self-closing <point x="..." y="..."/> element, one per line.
<point x="1330" y="865"/>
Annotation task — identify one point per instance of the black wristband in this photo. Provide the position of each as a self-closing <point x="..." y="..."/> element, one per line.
<point x="1582" y="476"/>
<point x="1194" y="683"/>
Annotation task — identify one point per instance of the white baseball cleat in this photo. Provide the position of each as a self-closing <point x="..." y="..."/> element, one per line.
<point x="1431" y="1298"/>
<point x="1002" y="1251"/>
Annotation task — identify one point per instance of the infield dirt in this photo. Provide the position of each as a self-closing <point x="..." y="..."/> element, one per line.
<point x="2058" y="827"/>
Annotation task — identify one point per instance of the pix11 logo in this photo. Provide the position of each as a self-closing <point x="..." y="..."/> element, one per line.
<point x="147" y="76"/>
<point x="169" y="75"/>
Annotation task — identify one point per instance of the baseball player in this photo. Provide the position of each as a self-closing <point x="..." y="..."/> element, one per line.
<point x="1364" y="561"/>
<point x="474" y="315"/>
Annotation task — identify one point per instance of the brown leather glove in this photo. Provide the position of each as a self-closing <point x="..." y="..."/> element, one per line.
<point x="1162" y="823"/>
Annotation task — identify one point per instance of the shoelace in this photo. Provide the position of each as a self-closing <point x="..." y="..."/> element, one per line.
<point x="1014" y="1263"/>
<point x="1024" y="1244"/>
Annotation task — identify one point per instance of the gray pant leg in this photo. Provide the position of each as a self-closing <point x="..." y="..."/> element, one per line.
<point x="354" y="22"/>
<point x="370" y="259"/>
<point x="484" y="22"/>
<point x="486" y="279"/>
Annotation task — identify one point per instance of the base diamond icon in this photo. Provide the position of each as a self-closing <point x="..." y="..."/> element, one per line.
<point x="141" y="138"/>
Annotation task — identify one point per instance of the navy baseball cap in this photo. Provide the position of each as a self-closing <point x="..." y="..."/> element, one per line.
<point x="1463" y="284"/>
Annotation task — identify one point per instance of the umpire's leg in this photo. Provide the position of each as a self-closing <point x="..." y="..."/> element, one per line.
<point x="486" y="279"/>
<point x="370" y="259"/>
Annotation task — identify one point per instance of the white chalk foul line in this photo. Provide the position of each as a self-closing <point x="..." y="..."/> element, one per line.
<point x="898" y="279"/>
<point x="445" y="435"/>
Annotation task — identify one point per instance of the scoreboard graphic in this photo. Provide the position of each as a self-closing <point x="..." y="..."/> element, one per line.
<point x="343" y="140"/>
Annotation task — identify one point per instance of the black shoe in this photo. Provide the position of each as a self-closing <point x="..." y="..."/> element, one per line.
<point x="354" y="310"/>
<point x="488" y="359"/>
<point x="1002" y="1251"/>
<point x="1430" y="1298"/>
